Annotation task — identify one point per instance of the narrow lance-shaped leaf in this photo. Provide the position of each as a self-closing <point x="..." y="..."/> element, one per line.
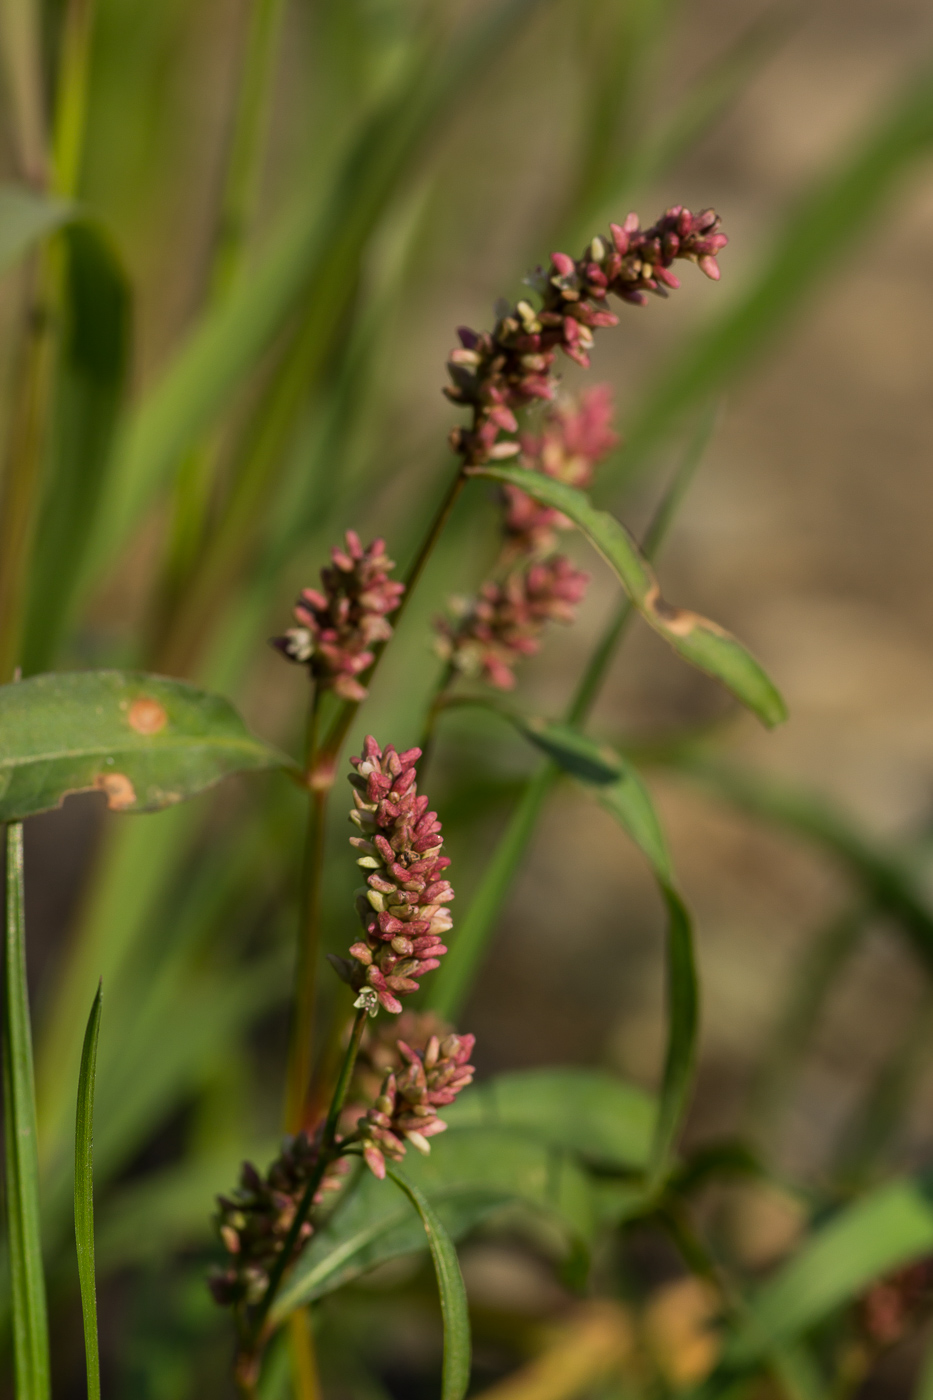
<point x="703" y="643"/>
<point x="27" y="1283"/>
<point x="456" y="1370"/>
<point x="144" y="741"/>
<point x="879" y="1233"/>
<point x="470" y="1172"/>
<point x="84" y="1197"/>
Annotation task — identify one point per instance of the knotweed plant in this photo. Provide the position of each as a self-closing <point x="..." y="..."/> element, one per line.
<point x="379" y="1101"/>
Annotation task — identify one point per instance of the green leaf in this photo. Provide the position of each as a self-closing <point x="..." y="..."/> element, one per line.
<point x="25" y="218"/>
<point x="456" y="1369"/>
<point x="30" y="1319"/>
<point x="84" y="1197"/>
<point x="90" y="382"/>
<point x="586" y="1111"/>
<point x="880" y="1233"/>
<point x="699" y="641"/>
<point x="145" y="741"/>
<point x="470" y="1173"/>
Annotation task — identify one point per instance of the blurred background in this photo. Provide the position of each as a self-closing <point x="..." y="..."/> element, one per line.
<point x="377" y="223"/>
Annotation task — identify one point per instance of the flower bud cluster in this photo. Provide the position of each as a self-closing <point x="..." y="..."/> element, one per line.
<point x="406" y="1109"/>
<point x="340" y="622"/>
<point x="500" y="372"/>
<point x="575" y="437"/>
<point x="504" y="622"/>
<point x="254" y="1221"/>
<point x="403" y="909"/>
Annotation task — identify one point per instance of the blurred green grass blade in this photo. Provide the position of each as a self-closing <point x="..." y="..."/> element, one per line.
<point x="605" y="1120"/>
<point x="470" y="1172"/>
<point x="27" y="1282"/>
<point x="628" y="800"/>
<point x="455" y="1374"/>
<point x="812" y="244"/>
<point x="683" y="1013"/>
<point x="145" y="741"/>
<point x="91" y="378"/>
<point x="84" y="1197"/>
<point x="702" y="643"/>
<point x="886" y="879"/>
<point x="26" y="217"/>
<point x="454" y="979"/>
<point x="136" y="867"/>
<point x="312" y="260"/>
<point x="879" y="1233"/>
<point x="824" y="959"/>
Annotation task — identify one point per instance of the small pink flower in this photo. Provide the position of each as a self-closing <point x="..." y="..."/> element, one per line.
<point x="505" y="621"/>
<point x="340" y="623"/>
<point x="403" y="909"/>
<point x="576" y="436"/>
<point x="405" y="1113"/>
<point x="499" y="372"/>
<point x="253" y="1221"/>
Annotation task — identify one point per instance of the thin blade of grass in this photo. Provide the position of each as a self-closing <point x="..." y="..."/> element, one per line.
<point x="456" y="1370"/>
<point x="27" y="1282"/>
<point x="84" y="1197"/>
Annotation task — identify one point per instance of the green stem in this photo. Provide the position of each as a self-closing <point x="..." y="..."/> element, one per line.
<point x="30" y="1321"/>
<point x="452" y="984"/>
<point x="71" y="97"/>
<point x="326" y="1155"/>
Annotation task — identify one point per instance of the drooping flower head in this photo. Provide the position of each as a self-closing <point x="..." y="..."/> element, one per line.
<point x="499" y="372"/>
<point x="504" y="622"/>
<point x="341" y="622"/>
<point x="404" y="907"/>
<point x="406" y="1110"/>
<point x="253" y="1222"/>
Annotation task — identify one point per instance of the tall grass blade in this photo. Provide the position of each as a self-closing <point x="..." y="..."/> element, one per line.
<point x="91" y="376"/>
<point x="312" y="262"/>
<point x="84" y="1197"/>
<point x="27" y="1283"/>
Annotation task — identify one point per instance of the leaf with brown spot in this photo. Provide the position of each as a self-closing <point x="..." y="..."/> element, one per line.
<point x="144" y="741"/>
<point x="704" y="644"/>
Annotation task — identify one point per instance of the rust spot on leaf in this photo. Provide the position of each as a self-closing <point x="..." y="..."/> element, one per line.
<point x="679" y="621"/>
<point x="119" y="790"/>
<point x="147" y="716"/>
